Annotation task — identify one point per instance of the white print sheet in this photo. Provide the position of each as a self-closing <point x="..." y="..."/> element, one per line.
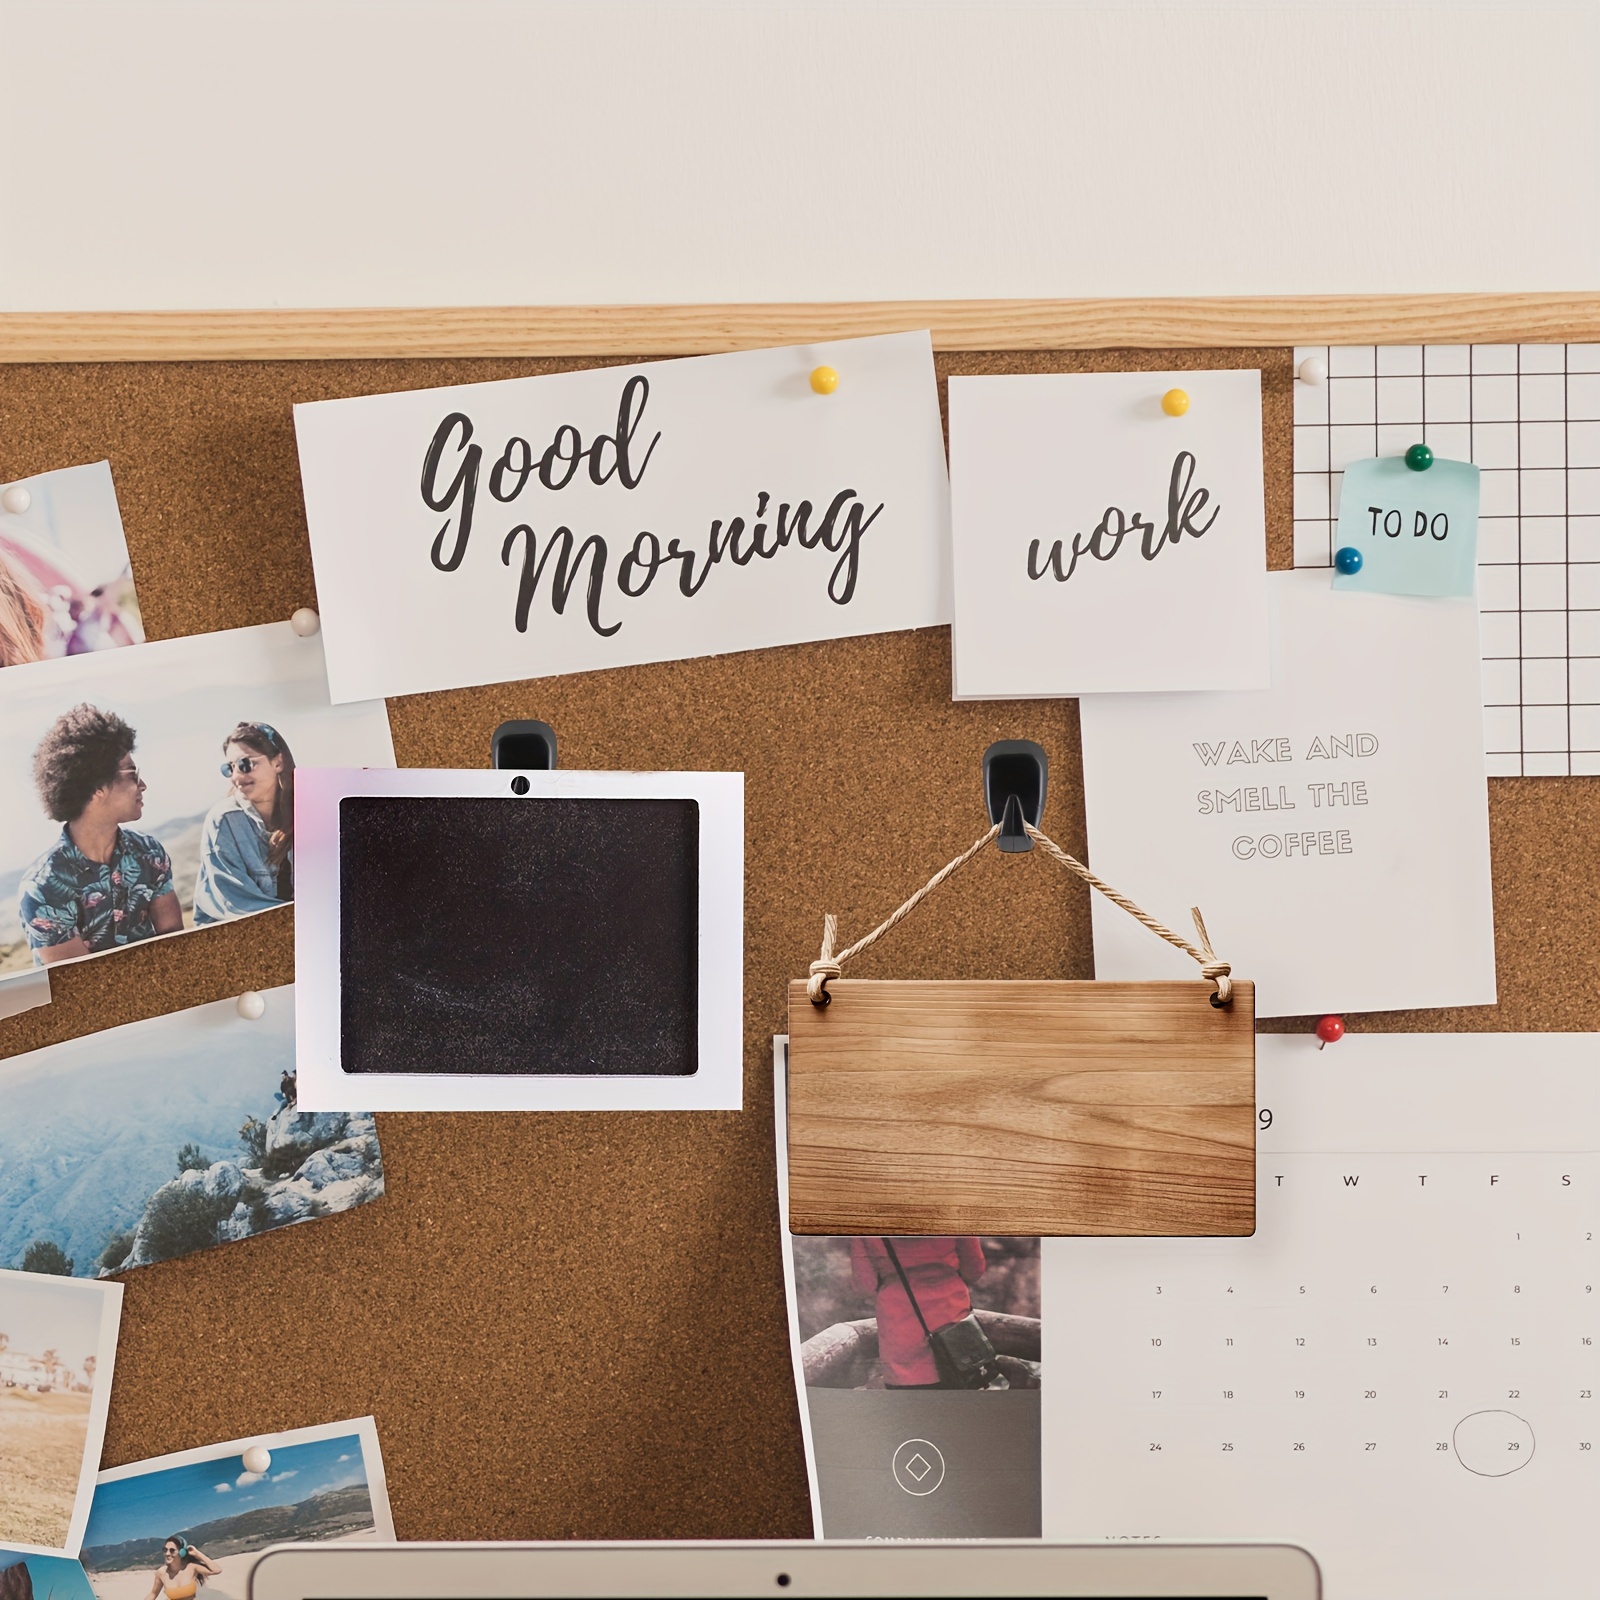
<point x="1333" y="830"/>
<point x="1101" y="545"/>
<point x="66" y="587"/>
<point x="314" y="1485"/>
<point x="55" y="1391"/>
<point x="1399" y="1371"/>
<point x="888" y="1461"/>
<point x="535" y="526"/>
<point x="24" y="992"/>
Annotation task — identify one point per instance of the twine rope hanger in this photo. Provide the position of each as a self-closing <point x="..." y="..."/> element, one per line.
<point x="830" y="963"/>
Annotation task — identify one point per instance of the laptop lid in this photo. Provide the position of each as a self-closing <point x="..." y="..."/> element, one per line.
<point x="361" y="1571"/>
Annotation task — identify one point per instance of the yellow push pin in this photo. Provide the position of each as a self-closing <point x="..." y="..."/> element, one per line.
<point x="824" y="380"/>
<point x="1175" y="402"/>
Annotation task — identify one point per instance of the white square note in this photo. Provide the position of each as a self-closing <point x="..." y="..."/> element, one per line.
<point x="1102" y="545"/>
<point x="1333" y="830"/>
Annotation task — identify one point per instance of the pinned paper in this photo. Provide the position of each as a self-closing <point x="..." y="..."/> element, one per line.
<point x="1334" y="829"/>
<point x="532" y="526"/>
<point x="55" y="1392"/>
<point x="1108" y="533"/>
<point x="322" y="1485"/>
<point x="1416" y="532"/>
<point x="191" y="823"/>
<point x="238" y="1156"/>
<point x="66" y="588"/>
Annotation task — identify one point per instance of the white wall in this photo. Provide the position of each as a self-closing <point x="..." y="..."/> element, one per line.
<point x="350" y="152"/>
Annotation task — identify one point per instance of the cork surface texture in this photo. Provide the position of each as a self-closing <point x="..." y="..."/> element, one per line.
<point x="572" y="1326"/>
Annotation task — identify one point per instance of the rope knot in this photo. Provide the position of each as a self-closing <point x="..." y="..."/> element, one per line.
<point x="1210" y="967"/>
<point x="817" y="984"/>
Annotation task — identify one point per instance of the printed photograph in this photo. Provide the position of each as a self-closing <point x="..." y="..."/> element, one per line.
<point x="162" y="1137"/>
<point x="25" y="1577"/>
<point x="151" y="792"/>
<point x="66" y="587"/>
<point x="950" y="1313"/>
<point x="173" y="1526"/>
<point x="58" y="1344"/>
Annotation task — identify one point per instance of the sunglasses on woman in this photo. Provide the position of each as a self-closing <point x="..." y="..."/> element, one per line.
<point x="243" y="766"/>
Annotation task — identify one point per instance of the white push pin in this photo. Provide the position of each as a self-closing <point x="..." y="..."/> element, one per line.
<point x="251" y="1006"/>
<point x="1312" y="370"/>
<point x="257" y="1458"/>
<point x="305" y="622"/>
<point x="16" y="499"/>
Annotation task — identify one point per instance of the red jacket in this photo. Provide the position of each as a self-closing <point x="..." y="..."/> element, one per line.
<point x="939" y="1271"/>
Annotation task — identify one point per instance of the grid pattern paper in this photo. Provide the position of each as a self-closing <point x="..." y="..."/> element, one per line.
<point x="1529" y="416"/>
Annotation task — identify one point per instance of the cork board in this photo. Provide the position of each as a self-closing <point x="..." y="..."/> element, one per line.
<point x="572" y="1326"/>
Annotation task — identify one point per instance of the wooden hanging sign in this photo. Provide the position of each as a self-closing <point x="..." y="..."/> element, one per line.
<point x="1049" y="1108"/>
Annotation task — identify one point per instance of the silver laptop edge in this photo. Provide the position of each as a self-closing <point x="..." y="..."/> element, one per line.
<point x="364" y="1571"/>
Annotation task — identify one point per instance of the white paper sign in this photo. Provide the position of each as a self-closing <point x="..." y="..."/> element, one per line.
<point x="1333" y="830"/>
<point x="1101" y="545"/>
<point x="535" y="526"/>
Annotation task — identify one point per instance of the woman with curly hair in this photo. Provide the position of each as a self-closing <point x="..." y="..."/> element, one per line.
<point x="101" y="884"/>
<point x="247" y="851"/>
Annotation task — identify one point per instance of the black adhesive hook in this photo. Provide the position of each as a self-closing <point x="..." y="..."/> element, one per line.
<point x="523" y="747"/>
<point x="1016" y="773"/>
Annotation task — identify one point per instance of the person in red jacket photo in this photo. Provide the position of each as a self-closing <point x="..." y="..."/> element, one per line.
<point x="939" y="1271"/>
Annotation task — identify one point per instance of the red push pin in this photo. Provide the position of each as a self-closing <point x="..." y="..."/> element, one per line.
<point x="1330" y="1031"/>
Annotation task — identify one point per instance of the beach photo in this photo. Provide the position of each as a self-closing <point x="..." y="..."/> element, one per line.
<point x="28" y="1577"/>
<point x="146" y="1142"/>
<point x="201" y="1517"/>
<point x="148" y="792"/>
<point x="66" y="587"/>
<point x="58" y="1344"/>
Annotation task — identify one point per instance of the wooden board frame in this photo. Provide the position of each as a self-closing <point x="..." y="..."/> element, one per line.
<point x="1022" y="1108"/>
<point x="652" y="1397"/>
<point x="600" y="331"/>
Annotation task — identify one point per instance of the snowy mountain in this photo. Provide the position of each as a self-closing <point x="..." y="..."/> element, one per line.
<point x="80" y="1154"/>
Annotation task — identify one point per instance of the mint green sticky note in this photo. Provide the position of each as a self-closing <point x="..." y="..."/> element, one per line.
<point x="1417" y="531"/>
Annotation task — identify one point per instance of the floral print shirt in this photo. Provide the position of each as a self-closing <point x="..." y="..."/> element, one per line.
<point x="65" y="895"/>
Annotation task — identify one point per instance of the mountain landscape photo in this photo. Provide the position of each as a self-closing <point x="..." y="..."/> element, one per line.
<point x="145" y="1142"/>
<point x="332" y="1514"/>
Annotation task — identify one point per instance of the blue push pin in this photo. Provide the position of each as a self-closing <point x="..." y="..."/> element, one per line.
<point x="1348" y="560"/>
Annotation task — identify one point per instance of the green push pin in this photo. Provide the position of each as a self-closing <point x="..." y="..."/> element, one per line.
<point x="1419" y="458"/>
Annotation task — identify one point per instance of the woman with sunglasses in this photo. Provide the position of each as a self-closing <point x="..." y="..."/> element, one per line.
<point x="247" y="850"/>
<point x="182" y="1571"/>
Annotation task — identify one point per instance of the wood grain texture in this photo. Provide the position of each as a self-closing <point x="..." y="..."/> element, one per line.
<point x="573" y="1326"/>
<point x="1021" y="1108"/>
<point x="453" y="332"/>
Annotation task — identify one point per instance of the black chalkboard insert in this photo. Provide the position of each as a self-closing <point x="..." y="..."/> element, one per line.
<point x="519" y="937"/>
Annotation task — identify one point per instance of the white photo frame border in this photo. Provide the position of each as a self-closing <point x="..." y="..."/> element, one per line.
<point x="364" y="1428"/>
<point x="105" y="1361"/>
<point x="280" y="668"/>
<point x="323" y="1085"/>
